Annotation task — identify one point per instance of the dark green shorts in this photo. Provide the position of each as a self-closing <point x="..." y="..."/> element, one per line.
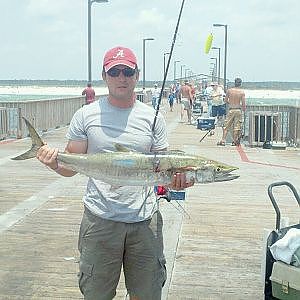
<point x="106" y="245"/>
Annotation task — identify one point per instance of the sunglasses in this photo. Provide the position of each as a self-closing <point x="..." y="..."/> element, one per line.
<point x="115" y="72"/>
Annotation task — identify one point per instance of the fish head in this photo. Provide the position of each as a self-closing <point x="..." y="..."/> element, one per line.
<point x="223" y="172"/>
<point x="215" y="172"/>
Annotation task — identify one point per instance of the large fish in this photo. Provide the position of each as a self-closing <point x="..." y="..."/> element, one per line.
<point x="128" y="167"/>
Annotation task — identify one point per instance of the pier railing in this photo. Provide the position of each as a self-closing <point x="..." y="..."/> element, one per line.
<point x="43" y="114"/>
<point x="262" y="123"/>
<point x="272" y="123"/>
<point x="3" y="123"/>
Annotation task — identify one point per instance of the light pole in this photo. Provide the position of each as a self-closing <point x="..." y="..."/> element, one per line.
<point x="144" y="62"/>
<point x="165" y="54"/>
<point x="181" y="74"/>
<point x="215" y="65"/>
<point x="175" y="62"/>
<point x="219" y="61"/>
<point x="225" y="52"/>
<point x="90" y="2"/>
<point x="212" y="70"/>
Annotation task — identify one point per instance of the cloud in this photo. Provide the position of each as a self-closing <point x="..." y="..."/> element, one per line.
<point x="151" y="17"/>
<point x="42" y="8"/>
<point x="262" y="35"/>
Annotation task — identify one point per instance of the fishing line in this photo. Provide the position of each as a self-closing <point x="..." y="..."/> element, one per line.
<point x="167" y="68"/>
<point x="182" y="209"/>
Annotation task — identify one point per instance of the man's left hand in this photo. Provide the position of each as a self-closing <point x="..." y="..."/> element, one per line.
<point x="179" y="182"/>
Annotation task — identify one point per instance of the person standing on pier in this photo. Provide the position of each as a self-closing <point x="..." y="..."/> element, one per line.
<point x="155" y="96"/>
<point x="218" y="106"/>
<point x="235" y="97"/>
<point x="171" y="98"/>
<point x="207" y="96"/>
<point x="89" y="93"/>
<point x="121" y="225"/>
<point x="177" y="92"/>
<point x="186" y="101"/>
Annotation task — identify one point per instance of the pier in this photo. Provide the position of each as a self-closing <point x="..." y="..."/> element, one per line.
<point x="213" y="247"/>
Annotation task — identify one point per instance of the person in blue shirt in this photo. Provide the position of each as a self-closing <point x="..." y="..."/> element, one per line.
<point x="171" y="98"/>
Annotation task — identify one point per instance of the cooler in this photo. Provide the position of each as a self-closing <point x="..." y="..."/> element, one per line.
<point x="285" y="281"/>
<point x="206" y="123"/>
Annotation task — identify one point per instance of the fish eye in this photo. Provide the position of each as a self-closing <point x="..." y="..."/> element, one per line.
<point x="218" y="169"/>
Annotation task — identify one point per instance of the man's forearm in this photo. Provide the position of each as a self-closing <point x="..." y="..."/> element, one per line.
<point x="63" y="171"/>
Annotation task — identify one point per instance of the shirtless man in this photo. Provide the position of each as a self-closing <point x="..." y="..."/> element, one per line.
<point x="235" y="97"/>
<point x="186" y="101"/>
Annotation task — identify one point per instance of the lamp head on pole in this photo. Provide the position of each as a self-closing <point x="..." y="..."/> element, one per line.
<point x="98" y="1"/>
<point x="218" y="25"/>
<point x="148" y="39"/>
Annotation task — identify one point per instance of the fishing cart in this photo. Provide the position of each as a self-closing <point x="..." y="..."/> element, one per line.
<point x="281" y="279"/>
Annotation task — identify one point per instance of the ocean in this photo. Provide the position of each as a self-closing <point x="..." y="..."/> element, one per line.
<point x="273" y="101"/>
<point x="25" y="90"/>
<point x="17" y="92"/>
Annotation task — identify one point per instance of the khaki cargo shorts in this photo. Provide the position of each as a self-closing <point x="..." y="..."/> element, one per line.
<point x="105" y="246"/>
<point x="234" y="116"/>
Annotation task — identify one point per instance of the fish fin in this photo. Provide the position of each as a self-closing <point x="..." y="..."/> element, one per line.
<point x="176" y="151"/>
<point x="36" y="140"/>
<point x="121" y="148"/>
<point x="107" y="151"/>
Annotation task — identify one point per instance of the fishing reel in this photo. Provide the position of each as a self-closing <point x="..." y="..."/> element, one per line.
<point x="168" y="194"/>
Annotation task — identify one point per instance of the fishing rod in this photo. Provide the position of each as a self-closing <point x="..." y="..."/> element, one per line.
<point x="167" y="68"/>
<point x="161" y="92"/>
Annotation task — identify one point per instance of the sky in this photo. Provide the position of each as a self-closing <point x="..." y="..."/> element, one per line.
<point x="47" y="39"/>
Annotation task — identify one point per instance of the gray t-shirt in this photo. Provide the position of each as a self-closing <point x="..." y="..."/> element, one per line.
<point x="103" y="125"/>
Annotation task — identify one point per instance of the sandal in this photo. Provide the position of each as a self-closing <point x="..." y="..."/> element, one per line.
<point x="235" y="144"/>
<point x="221" y="143"/>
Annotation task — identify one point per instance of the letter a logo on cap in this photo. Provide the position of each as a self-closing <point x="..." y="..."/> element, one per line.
<point x="119" y="56"/>
<point x="120" y="53"/>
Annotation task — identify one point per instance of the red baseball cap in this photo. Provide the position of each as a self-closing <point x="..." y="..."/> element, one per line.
<point x="119" y="56"/>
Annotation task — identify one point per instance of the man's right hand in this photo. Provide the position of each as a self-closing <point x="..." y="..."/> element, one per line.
<point x="48" y="156"/>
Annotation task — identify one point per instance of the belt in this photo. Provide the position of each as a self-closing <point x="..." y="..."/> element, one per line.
<point x="231" y="108"/>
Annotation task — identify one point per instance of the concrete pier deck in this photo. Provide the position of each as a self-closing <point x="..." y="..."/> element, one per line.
<point x="213" y="250"/>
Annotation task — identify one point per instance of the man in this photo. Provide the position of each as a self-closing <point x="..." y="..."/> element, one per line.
<point x="89" y="93"/>
<point x="177" y="92"/>
<point x="207" y="96"/>
<point x="235" y="97"/>
<point x="121" y="225"/>
<point x="186" y="101"/>
<point x="155" y="96"/>
<point x="218" y="109"/>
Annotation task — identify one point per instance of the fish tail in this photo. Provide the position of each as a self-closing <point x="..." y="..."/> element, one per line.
<point x="36" y="140"/>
